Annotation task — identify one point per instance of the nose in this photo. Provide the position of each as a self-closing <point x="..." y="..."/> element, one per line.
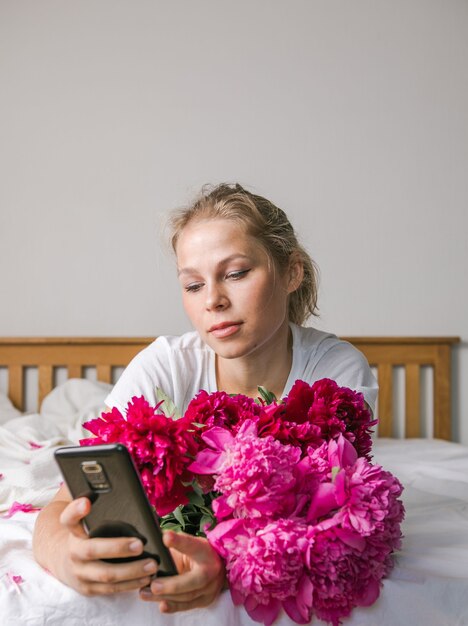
<point x="216" y="298"/>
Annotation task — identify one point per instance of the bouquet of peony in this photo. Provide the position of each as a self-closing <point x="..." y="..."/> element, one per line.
<point x="284" y="491"/>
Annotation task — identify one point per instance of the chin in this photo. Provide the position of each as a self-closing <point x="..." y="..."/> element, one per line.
<point x="229" y="353"/>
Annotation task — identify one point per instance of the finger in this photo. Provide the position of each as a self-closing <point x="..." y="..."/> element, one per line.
<point x="114" y="573"/>
<point x="89" y="588"/>
<point x="211" y="589"/>
<point x="174" y="607"/>
<point x="177" y="604"/>
<point x="187" y="583"/>
<point x="72" y="515"/>
<point x="106" y="548"/>
<point x="197" y="548"/>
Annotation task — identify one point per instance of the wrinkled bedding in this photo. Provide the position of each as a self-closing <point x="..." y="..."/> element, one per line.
<point x="429" y="585"/>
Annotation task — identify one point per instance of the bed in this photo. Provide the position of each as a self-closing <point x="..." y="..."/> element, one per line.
<point x="49" y="386"/>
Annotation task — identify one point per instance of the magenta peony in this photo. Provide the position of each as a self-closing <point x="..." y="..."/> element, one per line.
<point x="161" y="447"/>
<point x="221" y="409"/>
<point x="312" y="414"/>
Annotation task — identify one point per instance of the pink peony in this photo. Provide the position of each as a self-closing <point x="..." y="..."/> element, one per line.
<point x="368" y="498"/>
<point x="341" y="573"/>
<point x="255" y="476"/>
<point x="161" y="447"/>
<point x="265" y="567"/>
<point x="360" y="497"/>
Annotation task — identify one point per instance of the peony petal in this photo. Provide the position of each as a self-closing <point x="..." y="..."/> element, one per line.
<point x="266" y="613"/>
<point x="323" y="501"/>
<point x="15" y="578"/>
<point x="340" y="487"/>
<point x="236" y="597"/>
<point x="341" y="452"/>
<point x="299" y="607"/>
<point x="221" y="508"/>
<point x="350" y="538"/>
<point x="207" y="462"/>
<point x="218" y="438"/>
<point x="222" y="532"/>
<point x="369" y="594"/>
<point x="19" y="506"/>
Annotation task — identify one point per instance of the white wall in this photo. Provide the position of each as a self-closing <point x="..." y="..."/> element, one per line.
<point x="353" y="116"/>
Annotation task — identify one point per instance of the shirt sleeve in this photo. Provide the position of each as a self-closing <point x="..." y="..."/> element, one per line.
<point x="148" y="370"/>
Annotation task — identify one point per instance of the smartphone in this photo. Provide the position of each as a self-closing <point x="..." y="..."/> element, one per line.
<point x="106" y="474"/>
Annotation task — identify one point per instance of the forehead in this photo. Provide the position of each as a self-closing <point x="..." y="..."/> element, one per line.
<point x="218" y="236"/>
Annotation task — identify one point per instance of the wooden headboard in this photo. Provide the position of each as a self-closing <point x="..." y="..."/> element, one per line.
<point x="107" y="354"/>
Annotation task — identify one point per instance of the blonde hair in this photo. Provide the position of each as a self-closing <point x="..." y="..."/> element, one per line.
<point x="271" y="228"/>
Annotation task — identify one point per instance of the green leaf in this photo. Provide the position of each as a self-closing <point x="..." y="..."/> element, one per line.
<point x="268" y="396"/>
<point x="170" y="526"/>
<point x="206" y="519"/>
<point x="179" y="516"/>
<point x="167" y="406"/>
<point x="197" y="489"/>
<point x="196" y="499"/>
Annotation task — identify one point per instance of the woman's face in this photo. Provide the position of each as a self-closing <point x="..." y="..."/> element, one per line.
<point x="233" y="294"/>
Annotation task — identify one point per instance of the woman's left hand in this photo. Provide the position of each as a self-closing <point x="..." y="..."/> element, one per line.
<point x="199" y="582"/>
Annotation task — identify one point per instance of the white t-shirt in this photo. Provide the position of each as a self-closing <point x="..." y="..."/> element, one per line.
<point x="182" y="365"/>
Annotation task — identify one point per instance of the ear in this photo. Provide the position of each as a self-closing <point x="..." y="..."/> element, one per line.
<point x="295" y="273"/>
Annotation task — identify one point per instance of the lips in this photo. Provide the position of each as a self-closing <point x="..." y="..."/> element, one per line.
<point x="226" y="329"/>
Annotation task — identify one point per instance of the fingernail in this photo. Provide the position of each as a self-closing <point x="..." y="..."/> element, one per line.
<point x="136" y="546"/>
<point x="156" y="587"/>
<point x="81" y="506"/>
<point x="150" y="567"/>
<point x="146" y="592"/>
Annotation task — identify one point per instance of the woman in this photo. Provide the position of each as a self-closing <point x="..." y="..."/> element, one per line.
<point x="247" y="287"/>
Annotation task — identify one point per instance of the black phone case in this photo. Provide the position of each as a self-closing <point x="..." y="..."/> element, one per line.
<point x="123" y="509"/>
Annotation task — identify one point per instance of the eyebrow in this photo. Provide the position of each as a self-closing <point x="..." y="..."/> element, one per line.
<point x="228" y="259"/>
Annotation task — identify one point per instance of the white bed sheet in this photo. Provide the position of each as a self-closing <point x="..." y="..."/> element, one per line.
<point x="429" y="585"/>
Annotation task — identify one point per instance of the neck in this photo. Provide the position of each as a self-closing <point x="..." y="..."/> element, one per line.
<point x="269" y="366"/>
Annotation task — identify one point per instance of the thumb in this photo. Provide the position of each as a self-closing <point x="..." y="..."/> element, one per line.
<point x="73" y="513"/>
<point x="197" y="548"/>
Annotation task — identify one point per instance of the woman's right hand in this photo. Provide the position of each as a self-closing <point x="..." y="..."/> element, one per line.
<point x="77" y="560"/>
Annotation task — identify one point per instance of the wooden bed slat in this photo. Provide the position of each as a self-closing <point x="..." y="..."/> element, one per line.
<point x="104" y="373"/>
<point x="413" y="401"/>
<point x="46" y="373"/>
<point x="15" y="386"/>
<point x="74" y="371"/>
<point x="442" y="391"/>
<point x="385" y="378"/>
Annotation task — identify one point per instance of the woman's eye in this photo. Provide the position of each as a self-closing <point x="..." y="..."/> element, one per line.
<point x="237" y="275"/>
<point x="193" y="287"/>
